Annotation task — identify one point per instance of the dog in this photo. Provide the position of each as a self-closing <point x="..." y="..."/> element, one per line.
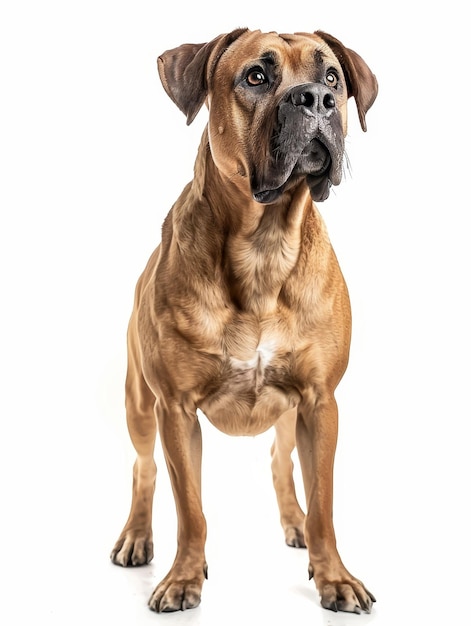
<point x="242" y="312"/>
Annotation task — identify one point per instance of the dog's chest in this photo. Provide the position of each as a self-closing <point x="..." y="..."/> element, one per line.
<point x="253" y="387"/>
<point x="251" y="371"/>
<point x="259" y="264"/>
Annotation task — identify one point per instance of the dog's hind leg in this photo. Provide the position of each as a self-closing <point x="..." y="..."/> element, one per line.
<point x="135" y="545"/>
<point x="291" y="514"/>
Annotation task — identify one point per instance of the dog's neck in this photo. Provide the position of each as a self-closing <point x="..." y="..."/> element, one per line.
<point x="262" y="243"/>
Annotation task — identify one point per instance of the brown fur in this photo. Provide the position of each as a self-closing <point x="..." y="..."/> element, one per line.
<point x="242" y="312"/>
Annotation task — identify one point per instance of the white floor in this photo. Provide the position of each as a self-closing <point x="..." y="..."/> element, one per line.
<point x="404" y="537"/>
<point x="87" y="138"/>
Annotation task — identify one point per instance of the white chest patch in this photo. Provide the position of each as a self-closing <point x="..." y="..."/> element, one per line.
<point x="251" y="395"/>
<point x="258" y="362"/>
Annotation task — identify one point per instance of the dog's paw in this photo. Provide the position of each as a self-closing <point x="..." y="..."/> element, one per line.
<point x="176" y="595"/>
<point x="346" y="594"/>
<point x="347" y="597"/>
<point x="133" y="548"/>
<point x="294" y="537"/>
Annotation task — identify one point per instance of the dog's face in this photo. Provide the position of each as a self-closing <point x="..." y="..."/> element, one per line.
<point x="286" y="107"/>
<point x="277" y="103"/>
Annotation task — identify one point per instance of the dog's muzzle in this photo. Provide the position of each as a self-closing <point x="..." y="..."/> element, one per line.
<point x="307" y="141"/>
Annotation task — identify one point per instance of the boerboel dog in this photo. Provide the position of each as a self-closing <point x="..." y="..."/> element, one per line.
<point x="242" y="311"/>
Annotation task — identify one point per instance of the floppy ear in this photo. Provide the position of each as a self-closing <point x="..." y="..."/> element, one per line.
<point x="186" y="70"/>
<point x="361" y="82"/>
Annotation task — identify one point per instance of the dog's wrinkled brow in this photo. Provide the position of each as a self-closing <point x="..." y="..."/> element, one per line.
<point x="318" y="57"/>
<point x="269" y="57"/>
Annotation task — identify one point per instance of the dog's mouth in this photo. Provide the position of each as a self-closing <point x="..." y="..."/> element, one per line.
<point x="306" y="142"/>
<point x="315" y="163"/>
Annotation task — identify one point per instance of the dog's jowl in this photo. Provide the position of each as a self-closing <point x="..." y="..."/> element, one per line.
<point x="242" y="311"/>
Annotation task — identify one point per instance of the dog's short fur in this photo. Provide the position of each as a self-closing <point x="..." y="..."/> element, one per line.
<point x="242" y="311"/>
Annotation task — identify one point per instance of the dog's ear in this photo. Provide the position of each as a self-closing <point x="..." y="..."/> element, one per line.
<point x="361" y="82"/>
<point x="185" y="71"/>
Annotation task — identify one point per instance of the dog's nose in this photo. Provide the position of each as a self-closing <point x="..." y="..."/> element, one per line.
<point x="316" y="98"/>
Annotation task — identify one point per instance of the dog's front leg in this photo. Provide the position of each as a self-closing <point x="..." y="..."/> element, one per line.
<point x="181" y="440"/>
<point x="135" y="545"/>
<point x="316" y="437"/>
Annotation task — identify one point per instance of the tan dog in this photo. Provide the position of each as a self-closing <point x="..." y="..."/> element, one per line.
<point x="242" y="311"/>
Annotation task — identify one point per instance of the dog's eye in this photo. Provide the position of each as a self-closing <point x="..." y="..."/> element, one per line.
<point x="331" y="79"/>
<point x="256" y="77"/>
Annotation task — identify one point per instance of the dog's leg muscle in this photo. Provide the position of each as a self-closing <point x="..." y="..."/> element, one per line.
<point x="291" y="514"/>
<point x="135" y="546"/>
<point x="316" y="438"/>
<point x="180" y="433"/>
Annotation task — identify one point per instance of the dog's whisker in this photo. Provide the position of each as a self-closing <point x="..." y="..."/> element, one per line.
<point x="346" y="165"/>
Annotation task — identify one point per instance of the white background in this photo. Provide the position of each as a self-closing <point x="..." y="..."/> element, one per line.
<point x="92" y="155"/>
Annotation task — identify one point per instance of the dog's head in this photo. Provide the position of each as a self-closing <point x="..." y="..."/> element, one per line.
<point x="277" y="103"/>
